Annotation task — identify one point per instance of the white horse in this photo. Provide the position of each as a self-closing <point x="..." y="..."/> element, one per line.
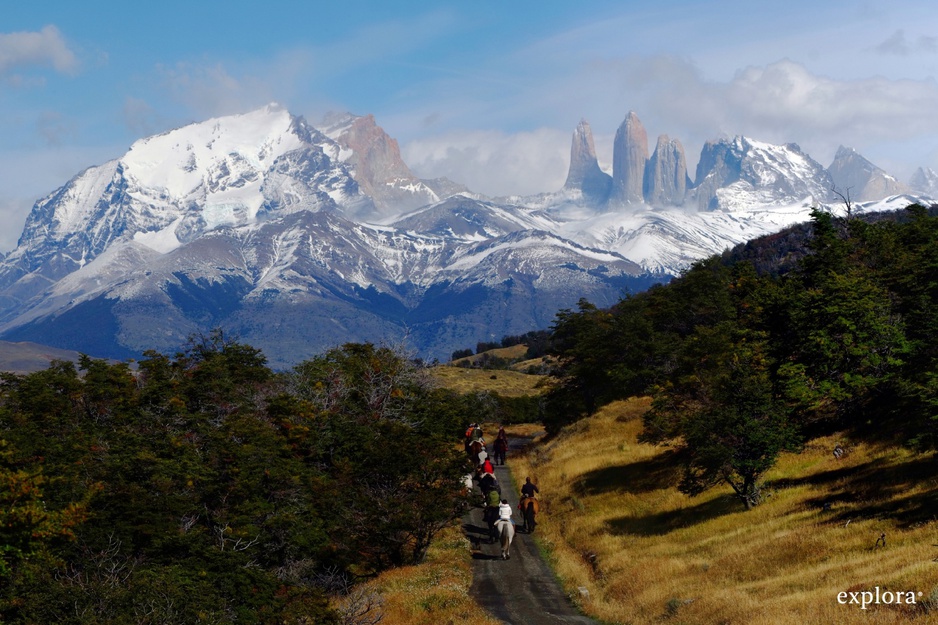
<point x="506" y="531"/>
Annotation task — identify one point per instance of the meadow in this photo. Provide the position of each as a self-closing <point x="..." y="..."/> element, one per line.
<point x="831" y="529"/>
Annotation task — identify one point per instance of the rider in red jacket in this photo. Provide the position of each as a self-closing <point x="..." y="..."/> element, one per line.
<point x="487" y="467"/>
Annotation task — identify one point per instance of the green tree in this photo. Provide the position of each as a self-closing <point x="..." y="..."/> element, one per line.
<point x="723" y="414"/>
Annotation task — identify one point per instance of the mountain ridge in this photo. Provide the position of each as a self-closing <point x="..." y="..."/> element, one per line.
<point x="301" y="238"/>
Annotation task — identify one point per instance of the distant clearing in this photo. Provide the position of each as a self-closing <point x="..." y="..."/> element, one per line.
<point x="501" y="381"/>
<point x="507" y="353"/>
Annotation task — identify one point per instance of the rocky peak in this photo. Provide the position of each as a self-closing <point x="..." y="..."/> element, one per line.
<point x="666" y="180"/>
<point x="739" y="172"/>
<point x="584" y="174"/>
<point x="377" y="165"/>
<point x="925" y="180"/>
<point x="629" y="157"/>
<point x="859" y="179"/>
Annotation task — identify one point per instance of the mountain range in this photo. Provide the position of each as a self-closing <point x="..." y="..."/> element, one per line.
<point x="297" y="238"/>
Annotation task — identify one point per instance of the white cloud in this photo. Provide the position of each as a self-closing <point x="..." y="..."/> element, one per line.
<point x="210" y="89"/>
<point x="46" y="47"/>
<point x="492" y="162"/>
<point x="141" y="118"/>
<point x="780" y="102"/>
<point x="899" y="45"/>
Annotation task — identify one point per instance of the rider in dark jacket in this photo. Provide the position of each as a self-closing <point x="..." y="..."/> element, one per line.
<point x="529" y="489"/>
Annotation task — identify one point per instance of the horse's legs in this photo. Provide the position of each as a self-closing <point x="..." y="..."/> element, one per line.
<point x="529" y="516"/>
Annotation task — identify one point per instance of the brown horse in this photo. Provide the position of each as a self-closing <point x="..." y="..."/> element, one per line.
<point x="529" y="509"/>
<point x="475" y="448"/>
<point x="501" y="449"/>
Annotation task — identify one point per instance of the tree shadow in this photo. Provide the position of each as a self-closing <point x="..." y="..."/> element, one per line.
<point x="874" y="489"/>
<point x="660" y="471"/>
<point x="471" y="528"/>
<point x="667" y="522"/>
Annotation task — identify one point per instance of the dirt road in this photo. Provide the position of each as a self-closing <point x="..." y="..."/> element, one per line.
<point x="521" y="590"/>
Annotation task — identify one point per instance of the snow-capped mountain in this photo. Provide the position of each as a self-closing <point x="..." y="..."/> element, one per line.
<point x="260" y="224"/>
<point x="298" y="238"/>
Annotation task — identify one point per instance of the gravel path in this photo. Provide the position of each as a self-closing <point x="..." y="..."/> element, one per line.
<point x="521" y="590"/>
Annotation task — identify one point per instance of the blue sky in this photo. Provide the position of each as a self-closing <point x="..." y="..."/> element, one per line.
<point x="487" y="93"/>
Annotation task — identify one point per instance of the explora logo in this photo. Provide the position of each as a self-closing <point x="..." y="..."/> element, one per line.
<point x="877" y="597"/>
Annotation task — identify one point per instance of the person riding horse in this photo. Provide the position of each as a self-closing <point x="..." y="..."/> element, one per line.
<point x="490" y="512"/>
<point x="529" y="505"/>
<point x="488" y="483"/>
<point x="487" y="467"/>
<point x="506" y="527"/>
<point x="501" y="446"/>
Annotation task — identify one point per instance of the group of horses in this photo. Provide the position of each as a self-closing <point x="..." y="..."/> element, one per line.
<point x="504" y="530"/>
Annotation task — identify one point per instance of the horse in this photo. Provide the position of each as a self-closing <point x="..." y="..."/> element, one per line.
<point x="506" y="532"/>
<point x="529" y="509"/>
<point x="476" y="448"/>
<point x="490" y="517"/>
<point x="501" y="449"/>
<point x="467" y="483"/>
<point x="488" y="484"/>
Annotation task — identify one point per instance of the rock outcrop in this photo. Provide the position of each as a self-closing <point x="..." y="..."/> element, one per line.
<point x="666" y="180"/>
<point x="925" y="180"/>
<point x="377" y="166"/>
<point x="629" y="158"/>
<point x="584" y="174"/>
<point x="859" y="179"/>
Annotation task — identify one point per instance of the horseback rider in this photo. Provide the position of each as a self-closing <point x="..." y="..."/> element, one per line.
<point x="487" y="466"/>
<point x="501" y="446"/>
<point x="504" y="511"/>
<point x="492" y="499"/>
<point x="488" y="484"/>
<point x="529" y="489"/>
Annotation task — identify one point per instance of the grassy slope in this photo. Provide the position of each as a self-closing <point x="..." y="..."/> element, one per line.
<point x="436" y="591"/>
<point x="501" y="381"/>
<point x="508" y="353"/>
<point x="615" y="524"/>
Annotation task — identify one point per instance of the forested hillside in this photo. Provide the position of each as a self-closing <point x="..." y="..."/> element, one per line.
<point x="753" y="354"/>
<point x="203" y="487"/>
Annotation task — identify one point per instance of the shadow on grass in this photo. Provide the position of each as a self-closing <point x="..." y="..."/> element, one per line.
<point x="875" y="489"/>
<point x="666" y="522"/>
<point x="661" y="471"/>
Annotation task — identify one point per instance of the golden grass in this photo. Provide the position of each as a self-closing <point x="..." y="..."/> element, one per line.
<point x="614" y="523"/>
<point x="508" y="353"/>
<point x="503" y="382"/>
<point x="524" y="365"/>
<point x="435" y="592"/>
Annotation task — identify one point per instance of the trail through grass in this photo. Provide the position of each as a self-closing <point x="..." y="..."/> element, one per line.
<point x="616" y="524"/>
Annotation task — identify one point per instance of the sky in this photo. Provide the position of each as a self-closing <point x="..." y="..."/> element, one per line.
<point x="486" y="93"/>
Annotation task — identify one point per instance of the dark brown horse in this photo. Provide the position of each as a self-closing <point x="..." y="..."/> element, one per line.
<point x="475" y="448"/>
<point x="529" y="509"/>
<point x="501" y="449"/>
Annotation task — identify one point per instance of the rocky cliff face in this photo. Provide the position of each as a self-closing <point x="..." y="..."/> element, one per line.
<point x="666" y="180"/>
<point x="629" y="157"/>
<point x="584" y="174"/>
<point x="925" y="181"/>
<point x="740" y="173"/>
<point x="376" y="164"/>
<point x="859" y="179"/>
